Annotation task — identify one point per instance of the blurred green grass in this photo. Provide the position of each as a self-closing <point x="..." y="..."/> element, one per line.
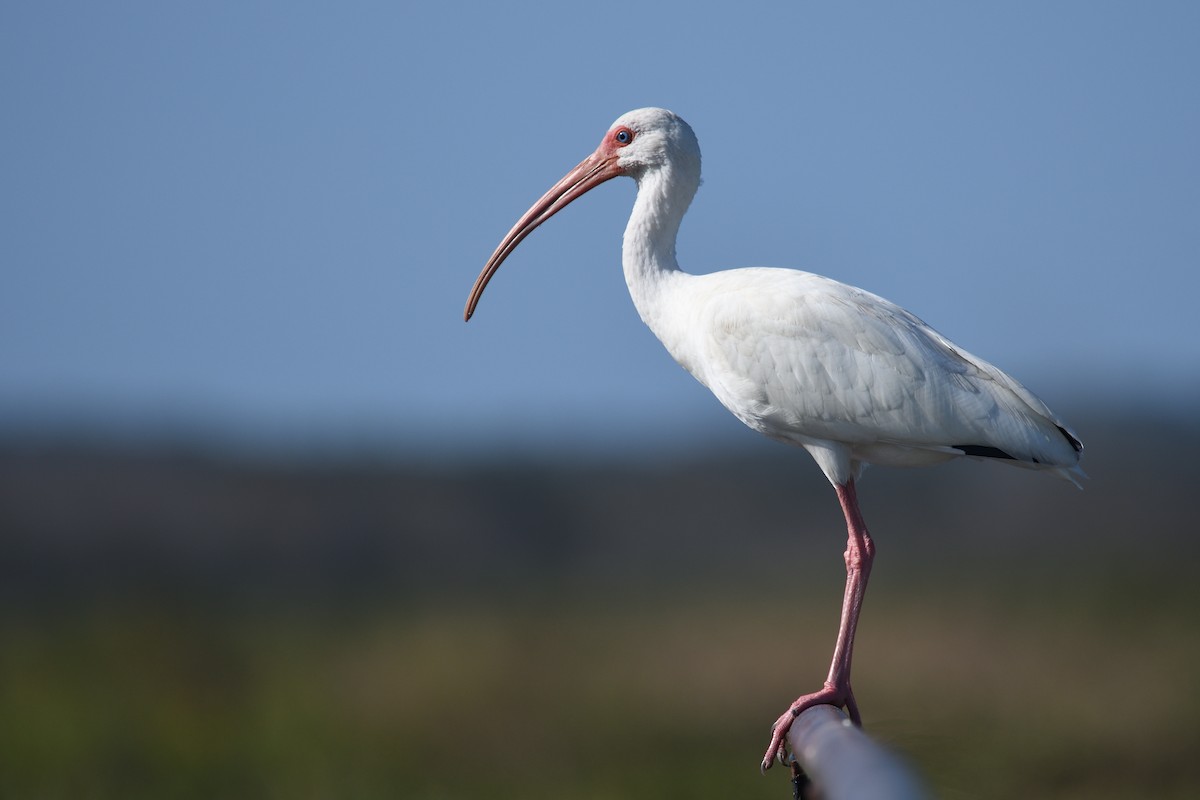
<point x="578" y="697"/>
<point x="180" y="625"/>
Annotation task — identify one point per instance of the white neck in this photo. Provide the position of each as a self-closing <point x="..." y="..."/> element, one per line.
<point x="648" y="254"/>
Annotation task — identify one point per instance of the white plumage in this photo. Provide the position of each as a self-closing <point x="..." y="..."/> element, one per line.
<point x="843" y="373"/>
<point x="810" y="361"/>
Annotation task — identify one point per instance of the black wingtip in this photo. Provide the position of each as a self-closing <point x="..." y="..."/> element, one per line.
<point x="1075" y="443"/>
<point x="983" y="451"/>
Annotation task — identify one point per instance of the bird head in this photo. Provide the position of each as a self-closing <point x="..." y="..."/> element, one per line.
<point x="649" y="139"/>
<point x="642" y="142"/>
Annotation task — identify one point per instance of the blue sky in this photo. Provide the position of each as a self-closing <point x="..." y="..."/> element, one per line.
<point x="261" y="220"/>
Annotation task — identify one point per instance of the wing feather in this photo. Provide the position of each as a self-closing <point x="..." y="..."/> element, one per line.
<point x="798" y="356"/>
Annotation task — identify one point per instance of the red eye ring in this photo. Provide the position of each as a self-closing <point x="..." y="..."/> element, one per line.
<point x="623" y="136"/>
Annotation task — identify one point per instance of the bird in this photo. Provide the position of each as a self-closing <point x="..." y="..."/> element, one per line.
<point x="803" y="359"/>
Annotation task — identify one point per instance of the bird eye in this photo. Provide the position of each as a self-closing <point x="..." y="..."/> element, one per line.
<point x="623" y="136"/>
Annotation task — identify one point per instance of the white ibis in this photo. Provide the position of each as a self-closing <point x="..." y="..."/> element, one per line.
<point x="843" y="373"/>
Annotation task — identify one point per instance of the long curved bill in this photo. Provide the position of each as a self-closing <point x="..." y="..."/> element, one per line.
<point x="591" y="172"/>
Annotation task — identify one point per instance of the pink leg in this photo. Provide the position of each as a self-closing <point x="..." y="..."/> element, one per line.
<point x="860" y="552"/>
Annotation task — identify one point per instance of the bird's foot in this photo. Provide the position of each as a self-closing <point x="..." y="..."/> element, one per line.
<point x="831" y="695"/>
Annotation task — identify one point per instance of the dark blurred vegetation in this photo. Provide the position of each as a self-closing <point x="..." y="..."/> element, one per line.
<point x="177" y="622"/>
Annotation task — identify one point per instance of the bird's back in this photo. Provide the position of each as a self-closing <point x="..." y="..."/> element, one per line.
<point x="803" y="358"/>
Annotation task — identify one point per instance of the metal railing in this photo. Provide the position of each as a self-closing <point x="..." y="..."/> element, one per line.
<point x="838" y="761"/>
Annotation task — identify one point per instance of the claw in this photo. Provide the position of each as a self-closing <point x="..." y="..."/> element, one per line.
<point x="839" y="696"/>
<point x="775" y="750"/>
